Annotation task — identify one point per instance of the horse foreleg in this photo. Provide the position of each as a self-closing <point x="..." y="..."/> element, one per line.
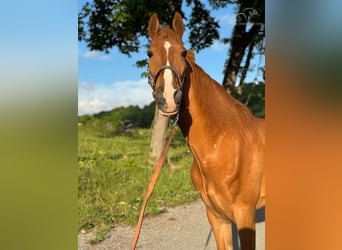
<point x="222" y="231"/>
<point x="245" y="222"/>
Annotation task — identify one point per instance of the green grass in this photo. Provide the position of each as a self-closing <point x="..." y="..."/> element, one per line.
<point x="114" y="174"/>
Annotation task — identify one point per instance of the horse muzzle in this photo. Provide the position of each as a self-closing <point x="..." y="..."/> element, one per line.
<point x="168" y="103"/>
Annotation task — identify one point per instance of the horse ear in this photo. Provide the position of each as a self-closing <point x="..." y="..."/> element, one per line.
<point x="177" y="24"/>
<point x="153" y="25"/>
<point x="190" y="56"/>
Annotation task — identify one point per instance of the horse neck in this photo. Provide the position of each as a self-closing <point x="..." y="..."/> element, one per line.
<point x="207" y="107"/>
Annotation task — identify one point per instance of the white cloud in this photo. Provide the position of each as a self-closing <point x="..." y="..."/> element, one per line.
<point x="94" y="54"/>
<point x="218" y="46"/>
<point x="227" y="20"/>
<point x="93" y="98"/>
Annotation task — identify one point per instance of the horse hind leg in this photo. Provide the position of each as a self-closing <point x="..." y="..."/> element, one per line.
<point x="222" y="231"/>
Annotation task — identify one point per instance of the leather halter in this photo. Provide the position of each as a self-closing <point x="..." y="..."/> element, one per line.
<point x="152" y="81"/>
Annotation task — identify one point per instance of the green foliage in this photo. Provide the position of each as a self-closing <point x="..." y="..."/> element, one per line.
<point x="104" y="24"/>
<point x="108" y="23"/>
<point x="216" y="4"/>
<point x="203" y="27"/>
<point x="253" y="96"/>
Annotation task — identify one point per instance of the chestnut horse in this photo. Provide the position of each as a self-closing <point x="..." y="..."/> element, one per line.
<point x="227" y="142"/>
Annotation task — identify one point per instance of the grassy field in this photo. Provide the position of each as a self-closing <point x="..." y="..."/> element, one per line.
<point x="114" y="174"/>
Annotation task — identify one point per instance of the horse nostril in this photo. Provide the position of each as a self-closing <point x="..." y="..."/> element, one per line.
<point x="160" y="89"/>
<point x="178" y="96"/>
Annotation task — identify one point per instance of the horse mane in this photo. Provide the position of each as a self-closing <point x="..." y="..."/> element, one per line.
<point x="233" y="114"/>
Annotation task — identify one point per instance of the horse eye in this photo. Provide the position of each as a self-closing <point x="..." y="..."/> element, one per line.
<point x="184" y="53"/>
<point x="149" y="53"/>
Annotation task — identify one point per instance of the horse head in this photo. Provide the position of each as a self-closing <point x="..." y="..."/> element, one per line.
<point x="167" y="63"/>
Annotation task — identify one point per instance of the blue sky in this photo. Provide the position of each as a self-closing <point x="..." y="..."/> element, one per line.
<point x="106" y="81"/>
<point x="38" y="56"/>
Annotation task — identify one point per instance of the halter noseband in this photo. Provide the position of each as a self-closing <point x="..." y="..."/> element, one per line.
<point x="152" y="81"/>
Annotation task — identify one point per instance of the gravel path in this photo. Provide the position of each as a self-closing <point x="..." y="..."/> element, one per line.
<point x="182" y="228"/>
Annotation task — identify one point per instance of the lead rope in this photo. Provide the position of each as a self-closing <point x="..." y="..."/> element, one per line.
<point x="152" y="184"/>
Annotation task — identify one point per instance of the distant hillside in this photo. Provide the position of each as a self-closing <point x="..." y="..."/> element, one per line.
<point x="107" y="123"/>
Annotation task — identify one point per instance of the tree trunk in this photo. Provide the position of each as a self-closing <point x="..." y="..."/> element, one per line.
<point x="240" y="40"/>
<point x="237" y="52"/>
<point x="158" y="137"/>
<point x="246" y="67"/>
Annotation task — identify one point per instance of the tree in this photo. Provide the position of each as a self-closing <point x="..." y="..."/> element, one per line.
<point x="242" y="38"/>
<point x="104" y="24"/>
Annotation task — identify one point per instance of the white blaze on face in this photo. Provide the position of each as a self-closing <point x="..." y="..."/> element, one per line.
<point x="168" y="79"/>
